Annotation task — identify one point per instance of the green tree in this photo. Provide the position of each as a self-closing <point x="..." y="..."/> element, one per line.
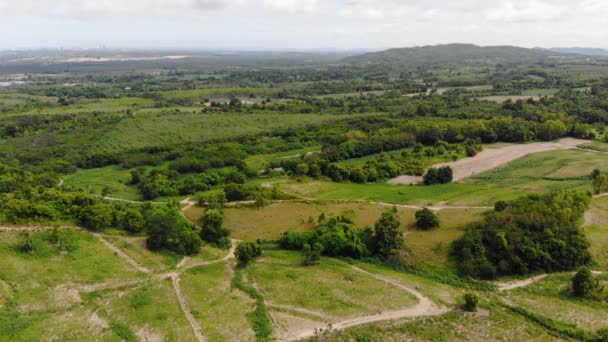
<point x="131" y="220"/>
<point x="426" y="219"/>
<point x="167" y="229"/>
<point x="583" y="282"/>
<point x="213" y="230"/>
<point x="387" y="233"/>
<point x="247" y="251"/>
<point x="551" y="130"/>
<point x="312" y="254"/>
<point x="96" y="216"/>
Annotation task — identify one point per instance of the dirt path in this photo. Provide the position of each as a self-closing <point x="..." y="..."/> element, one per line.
<point x="424" y="307"/>
<point x="196" y="328"/>
<point x="122" y="254"/>
<point x="505" y="286"/>
<point x="432" y="207"/>
<point x="510" y="285"/>
<point x="32" y="228"/>
<point x="491" y="158"/>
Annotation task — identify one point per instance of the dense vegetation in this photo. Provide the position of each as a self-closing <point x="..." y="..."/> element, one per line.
<point x="532" y="234"/>
<point x="337" y="236"/>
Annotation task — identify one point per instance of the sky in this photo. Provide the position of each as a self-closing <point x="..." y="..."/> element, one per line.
<point x="300" y="24"/>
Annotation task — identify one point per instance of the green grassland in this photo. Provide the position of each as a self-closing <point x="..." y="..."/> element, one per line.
<point x="539" y="172"/>
<point x="92" y="106"/>
<point x="497" y="324"/>
<point x="39" y="281"/>
<point x="331" y="288"/>
<point x="135" y="247"/>
<point x="596" y="146"/>
<point x="175" y="127"/>
<point x="94" y="181"/>
<point x="551" y="297"/>
<point x="150" y="311"/>
<point x="260" y="161"/>
<point x="209" y="93"/>
<point x="597" y="231"/>
<point x="221" y="310"/>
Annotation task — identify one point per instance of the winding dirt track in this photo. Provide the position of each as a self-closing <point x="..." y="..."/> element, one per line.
<point x="424" y="307"/>
<point x="122" y="254"/>
<point x="491" y="158"/>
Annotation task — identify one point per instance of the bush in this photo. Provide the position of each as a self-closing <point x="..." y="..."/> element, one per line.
<point x="312" y="254"/>
<point x="500" y="205"/>
<point x="470" y="302"/>
<point x="213" y="230"/>
<point x="247" y="251"/>
<point x="426" y="219"/>
<point x="584" y="283"/>
<point x="442" y="175"/>
<point x="167" y="229"/>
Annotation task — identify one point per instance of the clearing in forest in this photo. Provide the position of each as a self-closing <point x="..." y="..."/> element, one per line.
<point x="492" y="158"/>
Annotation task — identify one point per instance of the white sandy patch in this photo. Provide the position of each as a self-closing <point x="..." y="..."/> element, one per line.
<point x="491" y="158"/>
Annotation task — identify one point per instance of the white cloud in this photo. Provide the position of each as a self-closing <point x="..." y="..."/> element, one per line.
<point x="305" y="23"/>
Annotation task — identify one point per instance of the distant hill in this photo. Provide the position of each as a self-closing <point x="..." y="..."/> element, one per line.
<point x="582" y="51"/>
<point x="458" y="54"/>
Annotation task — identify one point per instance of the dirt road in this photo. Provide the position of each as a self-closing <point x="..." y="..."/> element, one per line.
<point x="491" y="158"/>
<point x="424" y="307"/>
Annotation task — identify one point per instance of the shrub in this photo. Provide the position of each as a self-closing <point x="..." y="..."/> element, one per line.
<point x="312" y="254"/>
<point x="247" y="251"/>
<point x="213" y="230"/>
<point x="470" y="302"/>
<point x="583" y="283"/>
<point x="426" y="219"/>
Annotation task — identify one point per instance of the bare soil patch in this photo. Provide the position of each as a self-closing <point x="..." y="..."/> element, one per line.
<point x="491" y="158"/>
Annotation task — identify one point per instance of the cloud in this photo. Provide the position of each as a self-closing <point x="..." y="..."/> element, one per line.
<point x="86" y="8"/>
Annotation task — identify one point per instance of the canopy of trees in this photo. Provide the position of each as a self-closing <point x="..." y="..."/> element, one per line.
<point x="338" y="236"/>
<point x="532" y="234"/>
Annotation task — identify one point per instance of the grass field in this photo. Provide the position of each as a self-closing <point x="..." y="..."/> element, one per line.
<point x="596" y="146"/>
<point x="221" y="310"/>
<point x="90" y="263"/>
<point x="175" y="127"/>
<point x="259" y="161"/>
<point x="331" y="288"/>
<point x="95" y="180"/>
<point x="551" y="297"/>
<point x="497" y="324"/>
<point x="150" y="311"/>
<point x="597" y="231"/>
<point x="539" y="172"/>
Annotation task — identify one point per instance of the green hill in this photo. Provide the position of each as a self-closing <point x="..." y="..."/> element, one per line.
<point x="460" y="54"/>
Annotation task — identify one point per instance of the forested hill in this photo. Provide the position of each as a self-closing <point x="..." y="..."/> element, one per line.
<point x="583" y="51"/>
<point x="460" y="54"/>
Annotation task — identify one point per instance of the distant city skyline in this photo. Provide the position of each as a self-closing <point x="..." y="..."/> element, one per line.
<point x="300" y="24"/>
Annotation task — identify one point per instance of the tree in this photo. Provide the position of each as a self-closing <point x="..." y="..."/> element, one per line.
<point x="387" y="233"/>
<point x="167" y="229"/>
<point x="96" y="216"/>
<point x="500" y="205"/>
<point x="583" y="282"/>
<point x="215" y="199"/>
<point x="213" y="230"/>
<point x="131" y="220"/>
<point x="470" y="302"/>
<point x="312" y="254"/>
<point x="551" y="130"/>
<point x="426" y="219"/>
<point x="535" y="233"/>
<point x="247" y="251"/>
<point x="600" y="182"/>
<point x="442" y="175"/>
